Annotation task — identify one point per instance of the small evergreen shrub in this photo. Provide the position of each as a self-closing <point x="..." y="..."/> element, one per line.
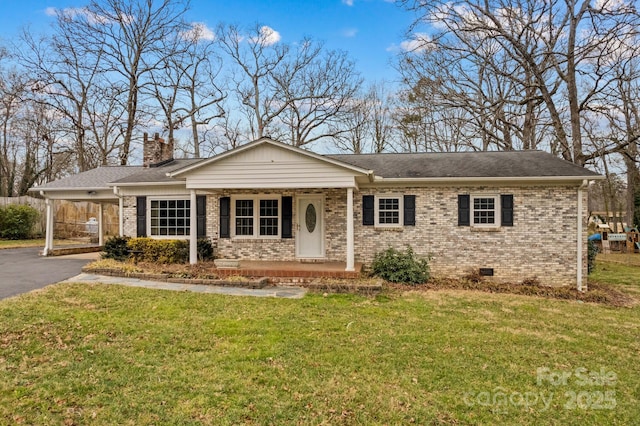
<point x="16" y="221"/>
<point x="160" y="251"/>
<point x="592" y="252"/>
<point x="205" y="249"/>
<point x="400" y="266"/>
<point x="116" y="248"/>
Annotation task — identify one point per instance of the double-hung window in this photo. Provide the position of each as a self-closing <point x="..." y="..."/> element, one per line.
<point x="257" y="217"/>
<point x="485" y="210"/>
<point x="388" y="209"/>
<point x="169" y="217"/>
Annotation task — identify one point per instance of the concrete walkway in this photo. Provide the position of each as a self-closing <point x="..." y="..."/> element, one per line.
<point x="282" y="292"/>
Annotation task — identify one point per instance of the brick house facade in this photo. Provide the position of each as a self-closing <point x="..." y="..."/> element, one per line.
<point x="514" y="215"/>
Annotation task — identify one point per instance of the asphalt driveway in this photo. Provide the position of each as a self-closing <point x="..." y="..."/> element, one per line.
<point x="22" y="270"/>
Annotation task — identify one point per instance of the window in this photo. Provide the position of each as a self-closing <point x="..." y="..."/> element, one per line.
<point x="257" y="217"/>
<point x="485" y="211"/>
<point x="388" y="209"/>
<point x="169" y="217"/>
<point x="244" y="217"/>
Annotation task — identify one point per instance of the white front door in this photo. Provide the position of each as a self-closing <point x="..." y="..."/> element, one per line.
<point x="310" y="236"/>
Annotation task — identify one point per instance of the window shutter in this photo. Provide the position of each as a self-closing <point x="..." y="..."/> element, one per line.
<point x="225" y="217"/>
<point x="409" y="210"/>
<point x="368" y="210"/>
<point x="287" y="214"/>
<point x="141" y="216"/>
<point x="464" y="210"/>
<point x="201" y="215"/>
<point x="506" y="201"/>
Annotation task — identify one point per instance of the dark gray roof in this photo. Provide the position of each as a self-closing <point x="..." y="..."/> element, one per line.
<point x="91" y="179"/>
<point x="157" y="174"/>
<point x="487" y="164"/>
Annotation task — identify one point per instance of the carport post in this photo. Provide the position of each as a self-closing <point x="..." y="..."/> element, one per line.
<point x="100" y="225"/>
<point x="48" y="240"/>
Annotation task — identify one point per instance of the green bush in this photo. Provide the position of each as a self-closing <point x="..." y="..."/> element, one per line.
<point x="160" y="251"/>
<point x="16" y="221"/>
<point x="116" y="248"/>
<point x="205" y="249"/>
<point x="400" y="267"/>
<point x="592" y="252"/>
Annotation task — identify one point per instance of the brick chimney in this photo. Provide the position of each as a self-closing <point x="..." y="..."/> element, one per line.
<point x="156" y="150"/>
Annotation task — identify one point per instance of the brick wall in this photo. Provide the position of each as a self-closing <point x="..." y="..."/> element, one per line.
<point x="542" y="242"/>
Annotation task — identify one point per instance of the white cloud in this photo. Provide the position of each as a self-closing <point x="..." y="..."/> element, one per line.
<point x="417" y="43"/>
<point x="199" y="31"/>
<point x="71" y="13"/>
<point x="350" y="32"/>
<point x="267" y="36"/>
<point x="348" y="2"/>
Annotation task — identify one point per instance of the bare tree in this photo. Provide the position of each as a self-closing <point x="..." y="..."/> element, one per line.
<point x="547" y="45"/>
<point x="129" y="37"/>
<point x="294" y="92"/>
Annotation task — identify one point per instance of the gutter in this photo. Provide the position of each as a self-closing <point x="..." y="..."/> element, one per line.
<point x="584" y="185"/>
<point x="475" y="179"/>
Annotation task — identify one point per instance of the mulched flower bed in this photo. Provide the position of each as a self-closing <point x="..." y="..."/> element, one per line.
<point x="596" y="293"/>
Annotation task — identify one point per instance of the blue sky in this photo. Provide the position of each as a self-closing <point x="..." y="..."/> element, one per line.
<point x="371" y="31"/>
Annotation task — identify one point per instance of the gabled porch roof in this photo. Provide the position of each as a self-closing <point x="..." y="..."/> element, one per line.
<point x="266" y="163"/>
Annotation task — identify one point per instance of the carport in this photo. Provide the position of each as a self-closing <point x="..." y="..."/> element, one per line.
<point x="90" y="186"/>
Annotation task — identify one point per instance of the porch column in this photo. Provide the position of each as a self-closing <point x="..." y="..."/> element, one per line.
<point x="48" y="239"/>
<point x="100" y="225"/>
<point x="193" y="230"/>
<point x="350" y="243"/>
<point x="120" y="214"/>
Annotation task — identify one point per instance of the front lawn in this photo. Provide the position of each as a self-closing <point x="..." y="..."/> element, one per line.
<point x="81" y="354"/>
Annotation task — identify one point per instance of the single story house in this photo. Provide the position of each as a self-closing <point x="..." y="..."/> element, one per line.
<point x="509" y="215"/>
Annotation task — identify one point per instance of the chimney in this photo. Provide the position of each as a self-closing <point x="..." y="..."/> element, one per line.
<point x="156" y="150"/>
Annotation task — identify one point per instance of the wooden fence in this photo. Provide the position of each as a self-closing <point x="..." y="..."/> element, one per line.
<point x="70" y="217"/>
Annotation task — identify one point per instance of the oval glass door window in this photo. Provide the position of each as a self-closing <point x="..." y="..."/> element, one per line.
<point x="310" y="218"/>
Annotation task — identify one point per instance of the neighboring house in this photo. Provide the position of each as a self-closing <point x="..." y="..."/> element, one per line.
<point x="510" y="215"/>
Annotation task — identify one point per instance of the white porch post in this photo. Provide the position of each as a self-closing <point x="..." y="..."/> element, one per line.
<point x="193" y="230"/>
<point x="48" y="240"/>
<point x="100" y="225"/>
<point x="120" y="217"/>
<point x="350" y="242"/>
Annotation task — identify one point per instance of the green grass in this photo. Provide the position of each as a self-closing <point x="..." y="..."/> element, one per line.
<point x="625" y="277"/>
<point x="83" y="354"/>
<point x="38" y="242"/>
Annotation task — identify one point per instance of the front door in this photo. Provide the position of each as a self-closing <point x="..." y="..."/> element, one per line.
<point x="310" y="237"/>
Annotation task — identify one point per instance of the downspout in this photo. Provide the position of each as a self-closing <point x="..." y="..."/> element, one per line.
<point x="116" y="192"/>
<point x="580" y="242"/>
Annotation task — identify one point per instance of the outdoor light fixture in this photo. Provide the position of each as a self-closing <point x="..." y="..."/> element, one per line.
<point x="91" y="192"/>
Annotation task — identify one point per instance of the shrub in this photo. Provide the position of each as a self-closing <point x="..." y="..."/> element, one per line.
<point x="160" y="251"/>
<point x="400" y="267"/>
<point x="592" y="252"/>
<point x="116" y="248"/>
<point x="205" y="249"/>
<point x="16" y="221"/>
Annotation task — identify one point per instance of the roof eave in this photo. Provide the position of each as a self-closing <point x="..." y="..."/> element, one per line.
<point x="123" y="184"/>
<point x="475" y="179"/>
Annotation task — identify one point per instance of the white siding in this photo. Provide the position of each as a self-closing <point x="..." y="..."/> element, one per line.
<point x="267" y="166"/>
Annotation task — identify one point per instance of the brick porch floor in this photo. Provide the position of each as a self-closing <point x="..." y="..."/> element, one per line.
<point x="291" y="270"/>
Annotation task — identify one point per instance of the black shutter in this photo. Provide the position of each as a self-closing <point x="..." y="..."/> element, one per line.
<point x="464" y="210"/>
<point x="201" y="215"/>
<point x="368" y="210"/>
<point x="225" y="217"/>
<point x="506" y="201"/>
<point x="287" y="214"/>
<point x="141" y="216"/>
<point x="409" y="210"/>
